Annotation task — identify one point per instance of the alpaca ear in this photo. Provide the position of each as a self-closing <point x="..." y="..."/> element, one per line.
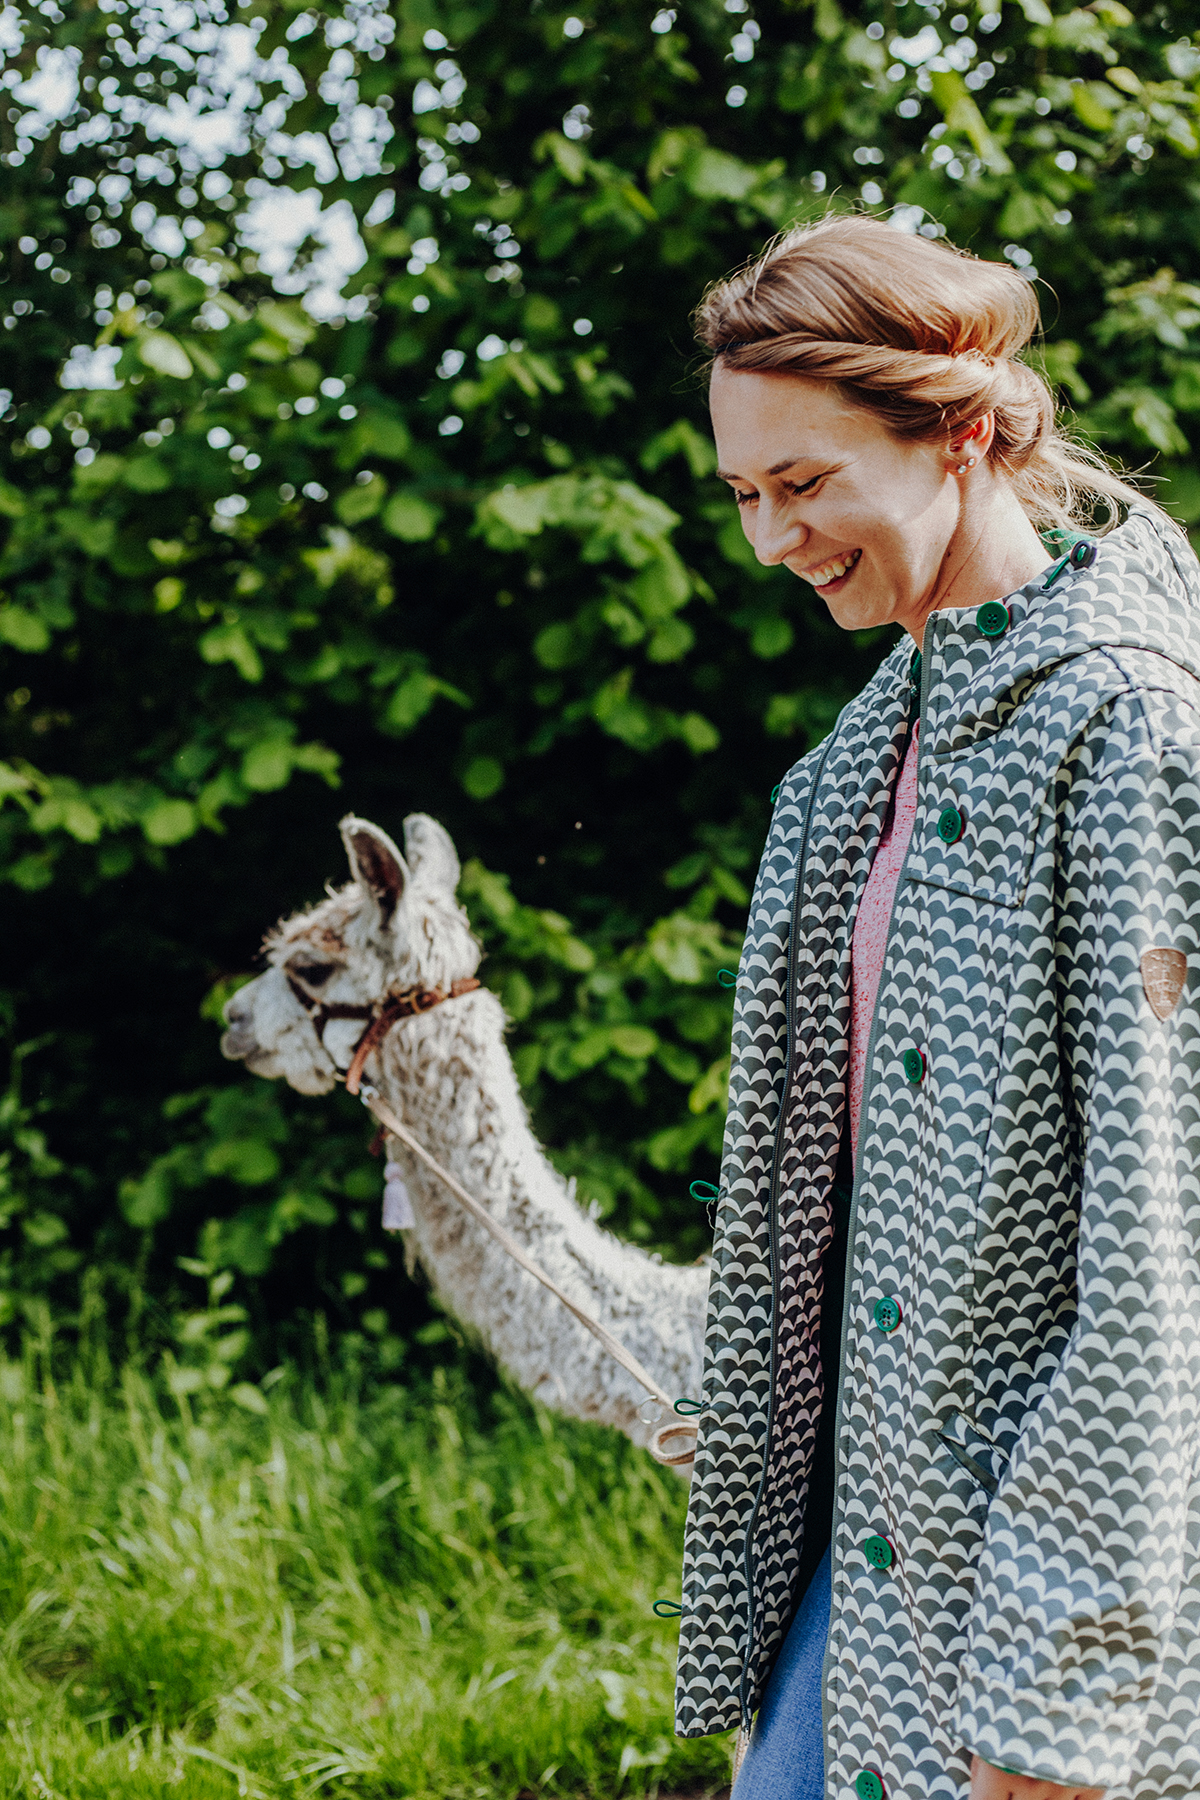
<point x="375" y="863"/>
<point x="431" y="853"/>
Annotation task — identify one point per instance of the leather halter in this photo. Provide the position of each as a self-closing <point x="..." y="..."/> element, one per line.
<point x="380" y="1016"/>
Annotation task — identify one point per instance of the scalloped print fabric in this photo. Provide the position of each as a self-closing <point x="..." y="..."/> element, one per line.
<point x="1026" y="1435"/>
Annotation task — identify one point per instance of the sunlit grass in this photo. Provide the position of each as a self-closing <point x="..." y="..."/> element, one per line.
<point x="415" y="1594"/>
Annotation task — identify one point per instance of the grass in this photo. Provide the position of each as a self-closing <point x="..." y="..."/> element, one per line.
<point x="390" y="1593"/>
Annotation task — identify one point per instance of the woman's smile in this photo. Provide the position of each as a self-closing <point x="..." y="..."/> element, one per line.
<point x="831" y="576"/>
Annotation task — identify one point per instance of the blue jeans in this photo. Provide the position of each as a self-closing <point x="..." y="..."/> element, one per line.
<point x="786" y="1757"/>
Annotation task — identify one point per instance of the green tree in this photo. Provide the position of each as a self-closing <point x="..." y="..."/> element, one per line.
<point x="452" y="543"/>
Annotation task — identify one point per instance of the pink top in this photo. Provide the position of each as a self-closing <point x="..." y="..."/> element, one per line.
<point x="871" y="925"/>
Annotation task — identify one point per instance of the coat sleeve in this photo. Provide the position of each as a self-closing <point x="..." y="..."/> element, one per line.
<point x="1089" y="1562"/>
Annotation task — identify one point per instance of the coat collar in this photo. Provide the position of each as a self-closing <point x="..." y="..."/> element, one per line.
<point x="1141" y="593"/>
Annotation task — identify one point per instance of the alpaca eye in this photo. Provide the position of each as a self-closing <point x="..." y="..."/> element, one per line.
<point x="312" y="974"/>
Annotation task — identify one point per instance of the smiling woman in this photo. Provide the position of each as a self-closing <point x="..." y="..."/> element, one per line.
<point x="860" y="370"/>
<point x="932" y="1548"/>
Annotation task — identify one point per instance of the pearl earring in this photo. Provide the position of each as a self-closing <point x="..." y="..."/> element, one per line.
<point x="964" y="466"/>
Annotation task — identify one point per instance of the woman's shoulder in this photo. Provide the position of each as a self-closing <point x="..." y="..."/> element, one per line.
<point x="858" y="719"/>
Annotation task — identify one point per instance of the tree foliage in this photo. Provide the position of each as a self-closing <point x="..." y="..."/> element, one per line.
<point x="452" y="542"/>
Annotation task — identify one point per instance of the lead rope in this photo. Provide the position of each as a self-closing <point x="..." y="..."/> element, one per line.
<point x="674" y="1428"/>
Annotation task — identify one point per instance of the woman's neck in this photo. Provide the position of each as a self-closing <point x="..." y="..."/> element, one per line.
<point x="994" y="551"/>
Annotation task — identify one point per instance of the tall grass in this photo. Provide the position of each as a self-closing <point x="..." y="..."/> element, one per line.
<point x="411" y="1593"/>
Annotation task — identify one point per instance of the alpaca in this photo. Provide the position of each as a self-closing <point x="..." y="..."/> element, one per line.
<point x="446" y="1073"/>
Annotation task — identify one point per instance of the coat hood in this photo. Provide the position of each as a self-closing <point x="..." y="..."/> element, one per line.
<point x="1141" y="593"/>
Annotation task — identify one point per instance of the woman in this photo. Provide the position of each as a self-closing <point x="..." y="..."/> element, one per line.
<point x="965" y="1082"/>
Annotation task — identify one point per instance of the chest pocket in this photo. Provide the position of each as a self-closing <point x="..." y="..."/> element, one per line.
<point x="974" y="1451"/>
<point x="977" y="824"/>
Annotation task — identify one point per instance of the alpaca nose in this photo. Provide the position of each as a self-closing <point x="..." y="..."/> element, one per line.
<point x="239" y="1040"/>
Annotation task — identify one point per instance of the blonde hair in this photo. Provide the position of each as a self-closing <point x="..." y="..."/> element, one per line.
<point x="925" y="336"/>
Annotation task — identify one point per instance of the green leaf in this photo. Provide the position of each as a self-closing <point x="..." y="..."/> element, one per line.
<point x="44" y="1229"/>
<point x="23" y="630"/>
<point x="483" y="777"/>
<point x="12" y="781"/>
<point x="411" y="517"/>
<point x="570" y="159"/>
<point x="248" y="1161"/>
<point x="962" y="114"/>
<point x="1024" y="213"/>
<point x="164" y="354"/>
<point x="362" y="501"/>
<point x="169" y="821"/>
<point x="715" y="175"/>
<point x="560" y="645"/>
<point x="771" y="636"/>
<point x="411" y="700"/>
<point x="93" y="534"/>
<point x="229" y="643"/>
<point x="288" y="320"/>
<point x="671" y="641"/>
<point x="67" y="809"/>
<point x="168" y="593"/>
<point x="268" y="765"/>
<point x="698" y="733"/>
<point x="662" y="587"/>
<point x="712" y="1089"/>
<point x="147" y="1202"/>
<point x="1059" y="364"/>
<point x="680" y="439"/>
<point x="318" y="759"/>
<point x="1094" y="104"/>
<point x="1154" y="417"/>
<point x="94" y="477"/>
<point x="249" y="1398"/>
<point x="181" y="291"/>
<point x="147" y="475"/>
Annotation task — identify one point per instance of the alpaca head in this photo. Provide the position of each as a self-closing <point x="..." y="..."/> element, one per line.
<point x="396" y="925"/>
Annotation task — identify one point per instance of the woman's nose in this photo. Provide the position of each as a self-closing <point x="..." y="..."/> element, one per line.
<point x="777" y="533"/>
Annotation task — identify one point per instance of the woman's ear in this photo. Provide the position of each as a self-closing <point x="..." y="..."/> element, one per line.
<point x="971" y="444"/>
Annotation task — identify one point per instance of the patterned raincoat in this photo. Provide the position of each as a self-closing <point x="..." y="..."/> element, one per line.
<point x="1017" y="1417"/>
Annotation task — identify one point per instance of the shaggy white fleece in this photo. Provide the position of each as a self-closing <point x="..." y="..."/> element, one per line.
<point x="448" y="1075"/>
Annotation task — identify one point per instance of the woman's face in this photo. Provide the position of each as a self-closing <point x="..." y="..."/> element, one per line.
<point x="825" y="490"/>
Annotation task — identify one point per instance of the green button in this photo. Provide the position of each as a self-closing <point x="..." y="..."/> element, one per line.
<point x="878" y="1552"/>
<point x="950" y="825"/>
<point x="992" y="618"/>
<point x="868" y="1785"/>
<point x="887" y="1314"/>
<point x="914" y="1065"/>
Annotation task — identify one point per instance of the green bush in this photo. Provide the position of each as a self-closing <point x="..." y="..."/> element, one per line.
<point x="460" y="548"/>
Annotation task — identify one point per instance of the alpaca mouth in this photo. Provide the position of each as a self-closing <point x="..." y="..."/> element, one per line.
<point x="238" y="1043"/>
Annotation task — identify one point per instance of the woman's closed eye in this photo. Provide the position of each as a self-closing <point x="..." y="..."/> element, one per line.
<point x="744" y="498"/>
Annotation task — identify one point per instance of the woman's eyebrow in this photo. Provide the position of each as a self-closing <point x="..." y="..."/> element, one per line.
<point x="779" y="468"/>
